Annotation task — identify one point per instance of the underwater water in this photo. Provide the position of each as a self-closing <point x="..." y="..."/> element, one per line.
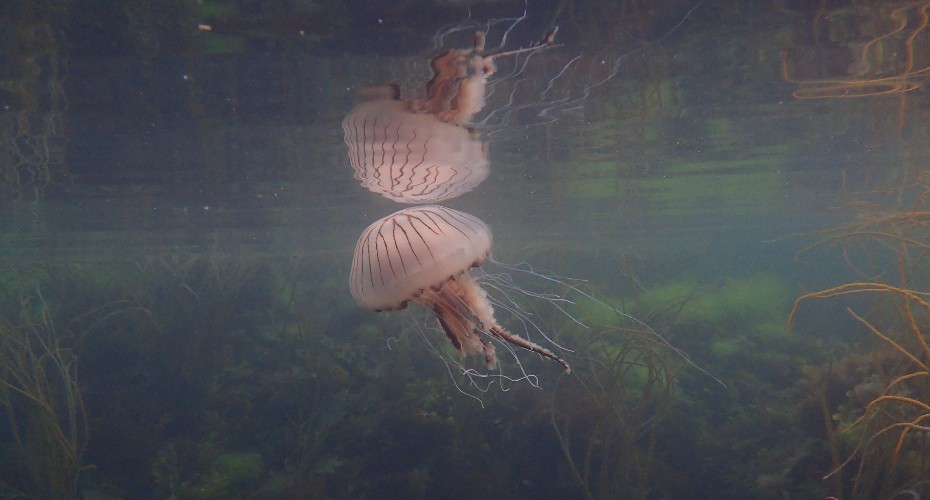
<point x="713" y="211"/>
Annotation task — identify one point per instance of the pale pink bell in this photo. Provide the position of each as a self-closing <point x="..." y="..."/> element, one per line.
<point x="412" y="157"/>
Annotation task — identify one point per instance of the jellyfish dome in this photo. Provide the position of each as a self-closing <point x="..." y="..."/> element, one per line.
<point x="424" y="254"/>
<point x="404" y="254"/>
<point x="412" y="157"/>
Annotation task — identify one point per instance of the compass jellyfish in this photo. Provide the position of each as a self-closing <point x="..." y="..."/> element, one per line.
<point x="425" y="255"/>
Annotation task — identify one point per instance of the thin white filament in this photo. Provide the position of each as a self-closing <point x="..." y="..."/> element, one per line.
<point x="479" y="381"/>
<point x="524" y="316"/>
<point x="526" y="268"/>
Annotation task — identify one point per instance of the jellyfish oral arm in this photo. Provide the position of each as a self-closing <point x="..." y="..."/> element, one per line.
<point x="467" y="294"/>
<point x="461" y="330"/>
<point x="516" y="340"/>
<point x="477" y="300"/>
<point x="457" y="89"/>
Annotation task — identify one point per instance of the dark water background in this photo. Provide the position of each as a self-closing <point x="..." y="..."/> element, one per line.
<point x="179" y="217"/>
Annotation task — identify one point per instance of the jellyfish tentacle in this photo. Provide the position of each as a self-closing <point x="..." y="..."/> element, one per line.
<point x="519" y="341"/>
<point x="546" y="42"/>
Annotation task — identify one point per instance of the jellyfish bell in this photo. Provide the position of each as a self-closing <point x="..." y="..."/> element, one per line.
<point x="411" y="157"/>
<point x="425" y="255"/>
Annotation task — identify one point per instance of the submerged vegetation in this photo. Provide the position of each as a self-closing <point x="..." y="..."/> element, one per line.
<point x="883" y="423"/>
<point x="218" y="377"/>
<point x="41" y="399"/>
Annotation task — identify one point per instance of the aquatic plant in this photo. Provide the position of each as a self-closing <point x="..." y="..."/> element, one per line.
<point x="43" y="408"/>
<point x="878" y="67"/>
<point x="890" y="449"/>
<point x="889" y="437"/>
<point x="606" y="415"/>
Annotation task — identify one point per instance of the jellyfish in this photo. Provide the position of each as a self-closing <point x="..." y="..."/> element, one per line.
<point x="425" y="254"/>
<point x="411" y="157"/>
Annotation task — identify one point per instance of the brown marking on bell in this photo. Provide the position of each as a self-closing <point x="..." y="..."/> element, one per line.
<point x="480" y="262"/>
<point x="398" y="307"/>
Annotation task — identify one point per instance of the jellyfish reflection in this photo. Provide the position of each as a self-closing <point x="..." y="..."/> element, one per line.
<point x="460" y="76"/>
<point x="424" y="254"/>
<point x="425" y="150"/>
<point x="411" y="157"/>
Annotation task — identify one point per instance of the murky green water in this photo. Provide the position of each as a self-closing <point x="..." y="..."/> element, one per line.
<point x="180" y="215"/>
